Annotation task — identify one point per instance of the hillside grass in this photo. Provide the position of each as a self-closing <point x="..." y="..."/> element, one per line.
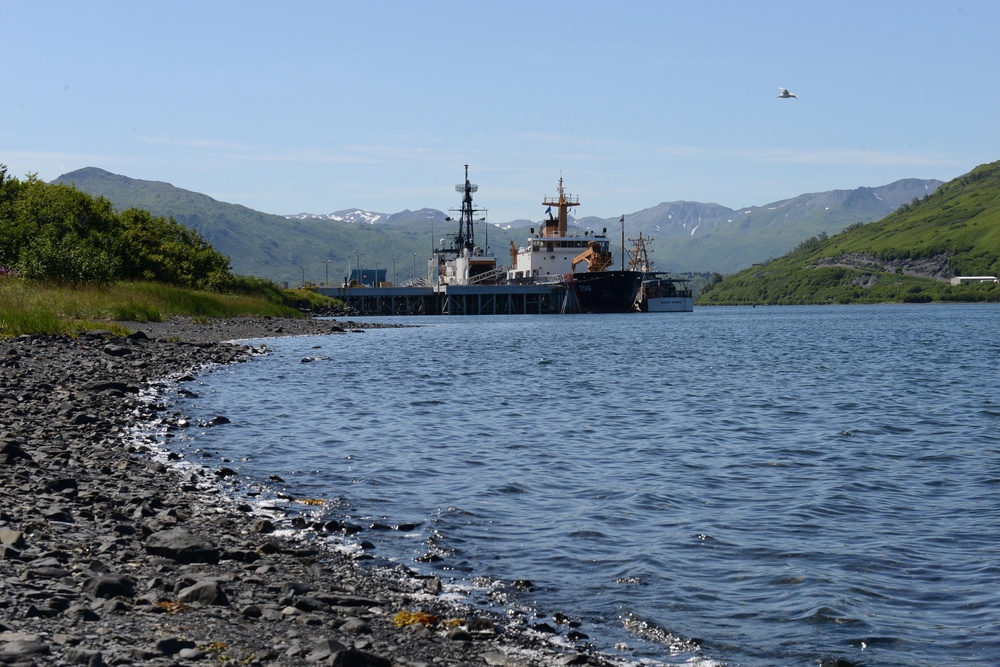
<point x="956" y="228"/>
<point x="28" y="307"/>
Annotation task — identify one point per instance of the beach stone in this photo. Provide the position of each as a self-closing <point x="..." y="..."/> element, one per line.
<point x="57" y="513"/>
<point x="182" y="546"/>
<point x="324" y="649"/>
<point x="172" y="646"/>
<point x="109" y="586"/>
<point x="9" y="553"/>
<point x="355" y="658"/>
<point x="100" y="535"/>
<point x="263" y="526"/>
<point x="89" y="658"/>
<point x="25" y="647"/>
<point x="191" y="654"/>
<point x="356" y="626"/>
<point x="204" y="592"/>
<point x="295" y="588"/>
<point x="12" y="452"/>
<point x="459" y="635"/>
<point x="82" y="612"/>
<point x="496" y="659"/>
<point x="60" y="485"/>
<point x="12" y="538"/>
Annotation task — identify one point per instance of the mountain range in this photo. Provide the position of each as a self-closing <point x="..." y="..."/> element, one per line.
<point x="939" y="248"/>
<point x="686" y="236"/>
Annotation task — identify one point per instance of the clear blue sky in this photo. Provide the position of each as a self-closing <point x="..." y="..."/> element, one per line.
<point x="317" y="106"/>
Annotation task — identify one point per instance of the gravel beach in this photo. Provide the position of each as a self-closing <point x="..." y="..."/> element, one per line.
<point x="112" y="555"/>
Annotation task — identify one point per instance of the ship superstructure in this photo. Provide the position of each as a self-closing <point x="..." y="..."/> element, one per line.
<point x="580" y="262"/>
<point x="458" y="260"/>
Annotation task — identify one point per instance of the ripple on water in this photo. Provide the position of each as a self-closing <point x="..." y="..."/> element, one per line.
<point x="785" y="484"/>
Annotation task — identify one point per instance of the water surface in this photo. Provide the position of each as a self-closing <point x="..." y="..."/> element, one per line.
<point x="751" y="486"/>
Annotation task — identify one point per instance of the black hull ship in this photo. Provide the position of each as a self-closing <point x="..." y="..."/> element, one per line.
<point x="579" y="262"/>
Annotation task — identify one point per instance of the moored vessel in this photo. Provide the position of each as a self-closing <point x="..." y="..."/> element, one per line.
<point x="658" y="291"/>
<point x="581" y="263"/>
<point x="662" y="294"/>
<point x="461" y="261"/>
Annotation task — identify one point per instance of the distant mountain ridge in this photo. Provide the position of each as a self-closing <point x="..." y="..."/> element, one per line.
<point x="917" y="254"/>
<point x="688" y="236"/>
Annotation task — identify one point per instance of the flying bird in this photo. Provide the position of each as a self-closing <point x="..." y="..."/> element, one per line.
<point x="785" y="94"/>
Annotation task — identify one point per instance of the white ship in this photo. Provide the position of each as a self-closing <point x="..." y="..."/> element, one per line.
<point x="579" y="262"/>
<point x="658" y="292"/>
<point x="458" y="260"/>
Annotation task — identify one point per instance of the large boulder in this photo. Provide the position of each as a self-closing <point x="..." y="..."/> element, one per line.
<point x="182" y="546"/>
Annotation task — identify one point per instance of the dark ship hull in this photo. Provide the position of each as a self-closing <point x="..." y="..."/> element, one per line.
<point x="601" y="291"/>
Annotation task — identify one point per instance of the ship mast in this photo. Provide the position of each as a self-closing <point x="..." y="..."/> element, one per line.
<point x="558" y="226"/>
<point x="466" y="237"/>
<point x="639" y="256"/>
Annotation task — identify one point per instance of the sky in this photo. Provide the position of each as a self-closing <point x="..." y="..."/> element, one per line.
<point x="309" y="106"/>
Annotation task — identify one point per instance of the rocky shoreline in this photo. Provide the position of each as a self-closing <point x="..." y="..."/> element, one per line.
<point x="109" y="555"/>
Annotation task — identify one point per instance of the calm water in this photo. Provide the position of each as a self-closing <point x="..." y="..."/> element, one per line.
<point x="783" y="484"/>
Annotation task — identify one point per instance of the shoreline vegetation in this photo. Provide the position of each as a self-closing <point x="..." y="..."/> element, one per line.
<point x="31" y="307"/>
<point x="112" y="555"/>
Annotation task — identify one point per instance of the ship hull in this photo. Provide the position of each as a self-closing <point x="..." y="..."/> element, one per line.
<point x="601" y="291"/>
<point x="665" y="304"/>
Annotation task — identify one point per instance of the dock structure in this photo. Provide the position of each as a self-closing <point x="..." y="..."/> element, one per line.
<point x="452" y="299"/>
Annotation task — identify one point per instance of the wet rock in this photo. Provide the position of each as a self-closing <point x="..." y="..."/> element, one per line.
<point x="459" y="635"/>
<point x="106" y="547"/>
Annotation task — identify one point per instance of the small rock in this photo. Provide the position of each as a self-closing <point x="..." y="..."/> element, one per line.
<point x="204" y="592"/>
<point x="109" y="586"/>
<point x="355" y="658"/>
<point x="182" y="546"/>
<point x="172" y="646"/>
<point x="324" y="649"/>
<point x="89" y="658"/>
<point x="459" y="635"/>
<point x="356" y="626"/>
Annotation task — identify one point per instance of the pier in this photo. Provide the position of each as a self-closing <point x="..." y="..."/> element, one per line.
<point x="452" y="299"/>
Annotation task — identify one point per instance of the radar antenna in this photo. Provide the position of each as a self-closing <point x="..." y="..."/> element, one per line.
<point x="466" y="237"/>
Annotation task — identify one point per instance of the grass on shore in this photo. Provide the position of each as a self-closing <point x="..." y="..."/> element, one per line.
<point x="46" y="308"/>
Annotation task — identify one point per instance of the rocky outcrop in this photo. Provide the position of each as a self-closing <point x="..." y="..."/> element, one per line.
<point x="936" y="267"/>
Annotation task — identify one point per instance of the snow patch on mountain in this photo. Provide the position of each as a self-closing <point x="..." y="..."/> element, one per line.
<point x="348" y="215"/>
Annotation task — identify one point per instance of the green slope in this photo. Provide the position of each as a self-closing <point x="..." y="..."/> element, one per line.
<point x="688" y="236"/>
<point x="264" y="245"/>
<point x="909" y="256"/>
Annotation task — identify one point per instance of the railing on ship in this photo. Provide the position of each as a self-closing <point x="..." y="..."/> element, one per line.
<point x="491" y="276"/>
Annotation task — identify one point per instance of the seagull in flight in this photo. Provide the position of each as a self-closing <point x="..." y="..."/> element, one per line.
<point x="785" y="94"/>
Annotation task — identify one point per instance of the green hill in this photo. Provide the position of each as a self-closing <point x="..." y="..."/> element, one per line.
<point x="276" y="247"/>
<point x="909" y="256"/>
<point x="687" y="236"/>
